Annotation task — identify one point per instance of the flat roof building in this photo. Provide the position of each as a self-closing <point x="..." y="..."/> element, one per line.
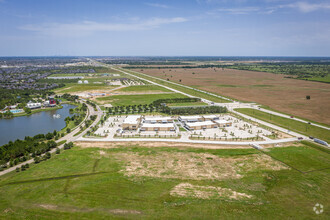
<point x="157" y="127"/>
<point x="131" y="122"/>
<point x="191" y="118"/>
<point x="210" y="117"/>
<point x="223" y="123"/>
<point x="153" y="120"/>
<point x="201" y="125"/>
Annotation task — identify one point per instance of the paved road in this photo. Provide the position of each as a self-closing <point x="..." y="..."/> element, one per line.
<point x="69" y="137"/>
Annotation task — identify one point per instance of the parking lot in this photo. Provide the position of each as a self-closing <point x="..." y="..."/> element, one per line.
<point x="239" y="130"/>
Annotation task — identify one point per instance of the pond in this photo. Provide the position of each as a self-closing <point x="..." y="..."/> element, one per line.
<point x="37" y="123"/>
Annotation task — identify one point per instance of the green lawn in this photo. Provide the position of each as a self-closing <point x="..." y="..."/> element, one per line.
<point x="303" y="158"/>
<point x="144" y="88"/>
<point x="75" y="87"/>
<point x="287" y="123"/>
<point x="118" y="100"/>
<point x="320" y="79"/>
<point x="82" y="184"/>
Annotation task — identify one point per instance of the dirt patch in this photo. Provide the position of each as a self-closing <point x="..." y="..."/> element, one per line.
<point x="273" y="90"/>
<point x="102" y="144"/>
<point x="76" y="209"/>
<point x="195" y="166"/>
<point x="206" y="192"/>
<point x="286" y="144"/>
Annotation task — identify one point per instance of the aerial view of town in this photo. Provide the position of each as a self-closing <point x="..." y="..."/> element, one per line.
<point x="164" y="110"/>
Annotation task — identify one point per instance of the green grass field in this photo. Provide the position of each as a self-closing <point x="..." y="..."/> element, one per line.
<point x="118" y="100"/>
<point x="91" y="183"/>
<point x="144" y="88"/>
<point x="290" y="124"/>
<point x="303" y="158"/>
<point x="75" y="87"/>
<point x="325" y="79"/>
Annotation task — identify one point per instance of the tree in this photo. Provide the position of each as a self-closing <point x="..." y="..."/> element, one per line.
<point x="68" y="130"/>
<point x="49" y="136"/>
<point x="27" y="110"/>
<point x="58" y="151"/>
<point x="308" y="97"/>
<point x="37" y="160"/>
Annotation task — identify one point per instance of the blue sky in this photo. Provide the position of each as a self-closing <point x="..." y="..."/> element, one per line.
<point x="165" y="28"/>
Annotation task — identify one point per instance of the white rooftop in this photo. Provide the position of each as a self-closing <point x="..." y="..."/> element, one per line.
<point x="201" y="123"/>
<point x="221" y="121"/>
<point x="132" y="119"/>
<point x="158" y="125"/>
<point x="210" y="116"/>
<point x="190" y="117"/>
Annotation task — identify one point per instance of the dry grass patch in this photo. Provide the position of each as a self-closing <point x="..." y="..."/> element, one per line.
<point x="194" y="166"/>
<point x="206" y="192"/>
<point x="76" y="209"/>
<point x="109" y="145"/>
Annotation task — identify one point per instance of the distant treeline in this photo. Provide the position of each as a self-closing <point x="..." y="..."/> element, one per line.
<point x="299" y="69"/>
<point x="175" y="100"/>
<point x="193" y="110"/>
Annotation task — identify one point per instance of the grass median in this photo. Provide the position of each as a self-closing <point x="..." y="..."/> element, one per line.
<point x="290" y="124"/>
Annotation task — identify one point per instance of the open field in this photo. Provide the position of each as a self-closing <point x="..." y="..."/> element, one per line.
<point x="293" y="125"/>
<point x="117" y="100"/>
<point x="144" y="88"/>
<point x="183" y="89"/>
<point x="273" y="90"/>
<point x="75" y="87"/>
<point x="171" y="183"/>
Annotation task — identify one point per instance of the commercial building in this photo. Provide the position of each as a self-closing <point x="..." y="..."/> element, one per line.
<point x="210" y="117"/>
<point x="223" y="123"/>
<point x="33" y="105"/>
<point x="200" y="125"/>
<point x="191" y="118"/>
<point x="153" y="120"/>
<point x="131" y="122"/>
<point x="157" y="127"/>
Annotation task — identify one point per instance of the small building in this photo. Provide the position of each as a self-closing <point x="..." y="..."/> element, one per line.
<point x="191" y="118"/>
<point x="85" y="81"/>
<point x="223" y="123"/>
<point x="210" y="117"/>
<point x="131" y="122"/>
<point x="154" y="120"/>
<point x="33" y="105"/>
<point x="157" y="127"/>
<point x="200" y="125"/>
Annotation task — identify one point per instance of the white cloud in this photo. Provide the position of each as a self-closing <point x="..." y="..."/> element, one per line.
<point x="307" y="7"/>
<point x="156" y="5"/>
<point x="244" y="10"/>
<point x="88" y="27"/>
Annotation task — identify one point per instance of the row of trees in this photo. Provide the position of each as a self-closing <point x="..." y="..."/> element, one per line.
<point x="22" y="150"/>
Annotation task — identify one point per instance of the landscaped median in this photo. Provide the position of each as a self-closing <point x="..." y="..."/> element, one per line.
<point x="290" y="124"/>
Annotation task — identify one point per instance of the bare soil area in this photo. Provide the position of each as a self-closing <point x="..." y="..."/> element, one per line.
<point x="273" y="90"/>
<point x="194" y="166"/>
<point x="101" y="144"/>
<point x="206" y="192"/>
